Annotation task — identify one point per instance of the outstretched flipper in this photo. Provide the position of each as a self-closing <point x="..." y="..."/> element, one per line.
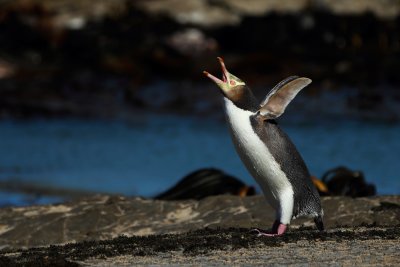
<point x="281" y="95"/>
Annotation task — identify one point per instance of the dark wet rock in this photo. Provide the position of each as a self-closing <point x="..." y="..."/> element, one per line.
<point x="204" y="183"/>
<point x="105" y="217"/>
<point x="342" y="181"/>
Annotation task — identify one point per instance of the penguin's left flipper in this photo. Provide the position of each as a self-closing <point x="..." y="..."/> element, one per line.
<point x="281" y="95"/>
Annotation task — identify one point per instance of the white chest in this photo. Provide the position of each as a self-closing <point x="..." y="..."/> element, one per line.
<point x="256" y="156"/>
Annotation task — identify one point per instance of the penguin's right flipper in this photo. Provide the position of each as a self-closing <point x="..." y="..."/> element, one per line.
<point x="281" y="95"/>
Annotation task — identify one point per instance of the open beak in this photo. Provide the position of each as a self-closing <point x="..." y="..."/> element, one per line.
<point x="225" y="73"/>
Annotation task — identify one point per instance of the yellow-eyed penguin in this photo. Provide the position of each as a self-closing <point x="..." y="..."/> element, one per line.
<point x="267" y="152"/>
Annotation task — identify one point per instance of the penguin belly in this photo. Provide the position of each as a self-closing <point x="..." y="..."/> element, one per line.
<point x="260" y="162"/>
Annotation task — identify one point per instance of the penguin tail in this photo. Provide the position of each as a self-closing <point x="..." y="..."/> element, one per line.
<point x="319" y="223"/>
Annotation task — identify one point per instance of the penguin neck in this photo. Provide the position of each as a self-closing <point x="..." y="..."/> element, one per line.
<point x="244" y="99"/>
<point x="271" y="122"/>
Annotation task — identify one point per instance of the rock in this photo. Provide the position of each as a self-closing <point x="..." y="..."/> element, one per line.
<point x="192" y="42"/>
<point x="105" y="217"/>
<point x="357" y="246"/>
<point x="204" y="183"/>
<point x="231" y="12"/>
<point x="198" y="12"/>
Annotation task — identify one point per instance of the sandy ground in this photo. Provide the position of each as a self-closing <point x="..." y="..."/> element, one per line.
<point x="332" y="253"/>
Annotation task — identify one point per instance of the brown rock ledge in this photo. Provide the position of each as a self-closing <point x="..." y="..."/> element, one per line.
<point x="361" y="246"/>
<point x="105" y="217"/>
<point x="119" y="231"/>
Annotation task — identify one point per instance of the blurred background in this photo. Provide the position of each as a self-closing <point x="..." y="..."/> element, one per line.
<point x="104" y="96"/>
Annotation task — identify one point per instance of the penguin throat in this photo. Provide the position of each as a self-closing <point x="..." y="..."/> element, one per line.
<point x="243" y="98"/>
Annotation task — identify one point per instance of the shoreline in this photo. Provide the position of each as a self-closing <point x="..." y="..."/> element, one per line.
<point x="223" y="246"/>
<point x="112" y="230"/>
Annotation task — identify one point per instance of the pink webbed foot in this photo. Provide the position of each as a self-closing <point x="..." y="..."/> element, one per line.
<point x="278" y="229"/>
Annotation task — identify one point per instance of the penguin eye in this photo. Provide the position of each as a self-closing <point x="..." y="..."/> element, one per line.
<point x="232" y="83"/>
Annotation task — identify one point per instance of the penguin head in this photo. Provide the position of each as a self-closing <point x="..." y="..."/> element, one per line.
<point x="231" y="86"/>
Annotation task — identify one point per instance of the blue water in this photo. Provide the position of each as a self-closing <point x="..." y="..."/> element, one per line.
<point x="147" y="155"/>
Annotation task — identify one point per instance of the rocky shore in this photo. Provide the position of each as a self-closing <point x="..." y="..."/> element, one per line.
<point x="116" y="58"/>
<point x="104" y="230"/>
